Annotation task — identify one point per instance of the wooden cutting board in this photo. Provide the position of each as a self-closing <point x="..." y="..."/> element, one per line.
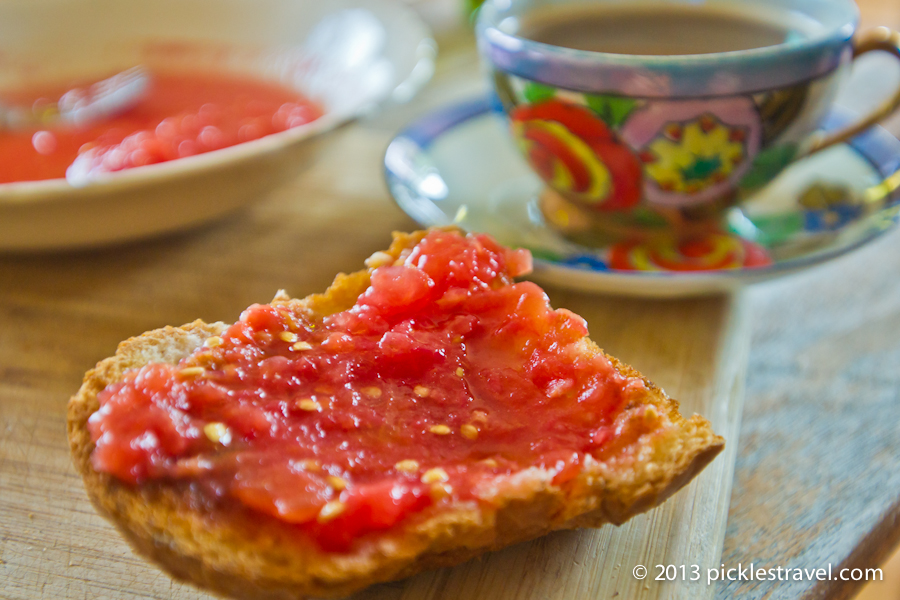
<point x="60" y="314"/>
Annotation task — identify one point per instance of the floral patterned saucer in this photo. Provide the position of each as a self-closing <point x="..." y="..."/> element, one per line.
<point x="459" y="165"/>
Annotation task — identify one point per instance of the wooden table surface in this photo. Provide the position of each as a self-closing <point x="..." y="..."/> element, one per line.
<point x="816" y="479"/>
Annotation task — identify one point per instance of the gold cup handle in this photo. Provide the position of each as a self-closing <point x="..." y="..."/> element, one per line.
<point x="885" y="40"/>
<point x="880" y="195"/>
<point x="882" y="39"/>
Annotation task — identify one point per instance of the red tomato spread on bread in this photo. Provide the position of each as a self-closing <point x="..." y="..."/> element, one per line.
<point x="443" y="376"/>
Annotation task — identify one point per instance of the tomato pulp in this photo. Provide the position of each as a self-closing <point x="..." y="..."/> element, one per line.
<point x="443" y="376"/>
<point x="180" y="115"/>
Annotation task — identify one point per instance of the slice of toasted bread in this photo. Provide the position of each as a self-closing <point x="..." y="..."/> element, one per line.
<point x="246" y="554"/>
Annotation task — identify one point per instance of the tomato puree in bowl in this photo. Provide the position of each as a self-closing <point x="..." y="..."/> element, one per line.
<point x="179" y="115"/>
<point x="444" y="375"/>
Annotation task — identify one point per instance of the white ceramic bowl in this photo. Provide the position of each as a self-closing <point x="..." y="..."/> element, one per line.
<point x="347" y="55"/>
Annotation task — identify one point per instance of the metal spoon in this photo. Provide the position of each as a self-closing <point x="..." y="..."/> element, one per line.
<point x="80" y="107"/>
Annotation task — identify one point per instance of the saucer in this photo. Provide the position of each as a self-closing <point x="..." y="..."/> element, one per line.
<point x="459" y="166"/>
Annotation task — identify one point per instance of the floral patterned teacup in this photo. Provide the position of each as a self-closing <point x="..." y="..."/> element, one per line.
<point x="633" y="145"/>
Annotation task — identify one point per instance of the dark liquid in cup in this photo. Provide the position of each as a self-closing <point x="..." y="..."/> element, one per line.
<point x="662" y="29"/>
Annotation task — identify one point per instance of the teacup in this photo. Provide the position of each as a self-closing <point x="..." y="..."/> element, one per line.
<point x="647" y="117"/>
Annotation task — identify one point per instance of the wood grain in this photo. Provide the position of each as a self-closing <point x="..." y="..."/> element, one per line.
<point x="817" y="480"/>
<point x="60" y="314"/>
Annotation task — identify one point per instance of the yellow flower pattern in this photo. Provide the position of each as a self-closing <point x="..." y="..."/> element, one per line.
<point x="690" y="157"/>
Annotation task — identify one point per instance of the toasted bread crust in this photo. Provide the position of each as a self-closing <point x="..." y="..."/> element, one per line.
<point x="244" y="554"/>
